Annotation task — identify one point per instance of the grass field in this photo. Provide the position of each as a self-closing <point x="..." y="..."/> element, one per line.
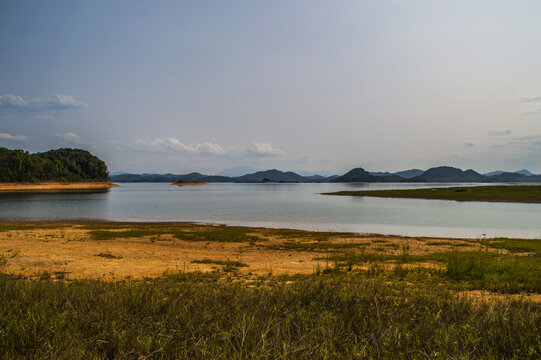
<point x="503" y="193"/>
<point x="324" y="296"/>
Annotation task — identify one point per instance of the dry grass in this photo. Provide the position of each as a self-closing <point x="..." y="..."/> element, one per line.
<point x="152" y="249"/>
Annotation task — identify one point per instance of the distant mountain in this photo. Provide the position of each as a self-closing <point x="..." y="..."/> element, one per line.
<point x="524" y="172"/>
<point x="515" y="177"/>
<point x="322" y="173"/>
<point x="449" y="174"/>
<point x="197" y="177"/>
<point x="259" y="176"/>
<point x="272" y="175"/>
<point x="509" y="177"/>
<point x="380" y="173"/>
<point x="359" y="175"/>
<point x="406" y="174"/>
<point x="493" y="173"/>
<point x="144" y="178"/>
<point x="437" y="174"/>
<point x="317" y="178"/>
<point x="237" y="171"/>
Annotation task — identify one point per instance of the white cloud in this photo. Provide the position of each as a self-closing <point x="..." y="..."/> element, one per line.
<point x="209" y="148"/>
<point x="10" y="100"/>
<point x="530" y="99"/>
<point x="500" y="132"/>
<point x="530" y="105"/>
<point x="4" y="136"/>
<point x="175" y="145"/>
<point x="262" y="149"/>
<point x="71" y="139"/>
<point x="55" y="102"/>
<point x="65" y="102"/>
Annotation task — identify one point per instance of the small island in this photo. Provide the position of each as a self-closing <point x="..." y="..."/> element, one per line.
<point x="188" y="183"/>
<point x="497" y="193"/>
<point x="52" y="171"/>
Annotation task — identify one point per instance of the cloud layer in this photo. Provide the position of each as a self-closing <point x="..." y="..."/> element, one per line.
<point x="4" y="136"/>
<point x="71" y="139"/>
<point x="173" y="145"/>
<point x="55" y="102"/>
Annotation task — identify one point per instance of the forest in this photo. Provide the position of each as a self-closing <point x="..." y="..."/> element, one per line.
<point x="67" y="165"/>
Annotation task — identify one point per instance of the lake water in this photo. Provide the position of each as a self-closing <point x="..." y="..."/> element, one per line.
<point x="298" y="206"/>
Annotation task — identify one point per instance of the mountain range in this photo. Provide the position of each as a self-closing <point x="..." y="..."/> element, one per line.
<point x="441" y="174"/>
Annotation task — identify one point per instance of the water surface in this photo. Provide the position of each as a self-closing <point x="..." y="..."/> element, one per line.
<point x="297" y="206"/>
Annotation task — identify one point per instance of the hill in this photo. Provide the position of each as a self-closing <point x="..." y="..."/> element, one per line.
<point x="449" y="174"/>
<point x="406" y="174"/>
<point x="359" y="175"/>
<point x="64" y="165"/>
<point x="515" y="177"/>
<point x="272" y="175"/>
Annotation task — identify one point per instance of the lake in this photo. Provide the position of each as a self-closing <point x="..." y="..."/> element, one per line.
<point x="298" y="206"/>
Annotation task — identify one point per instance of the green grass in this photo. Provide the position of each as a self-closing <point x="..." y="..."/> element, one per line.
<point x="210" y="233"/>
<point x="110" y="235"/>
<point x="218" y="234"/>
<point x="516" y="245"/>
<point x="108" y="255"/>
<point x="11" y="227"/>
<point x="201" y="317"/>
<point x="503" y="193"/>
<point x="469" y="270"/>
<point x="317" y="246"/>
<point x="221" y="262"/>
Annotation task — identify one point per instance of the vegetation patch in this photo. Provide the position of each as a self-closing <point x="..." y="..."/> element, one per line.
<point x="218" y="234"/>
<point x="110" y="235"/>
<point x="315" y="317"/>
<point x="439" y="243"/>
<point x="516" y="245"/>
<point x="221" y="262"/>
<point x="55" y="165"/>
<point x="503" y="193"/>
<point x="108" y="255"/>
<point x="13" y="227"/>
<point x="308" y="246"/>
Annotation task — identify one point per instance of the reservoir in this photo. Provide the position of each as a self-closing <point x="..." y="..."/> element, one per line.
<point x="298" y="206"/>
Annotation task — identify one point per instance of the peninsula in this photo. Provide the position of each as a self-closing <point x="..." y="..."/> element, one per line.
<point x="497" y="193"/>
<point x="51" y="171"/>
<point x="188" y="183"/>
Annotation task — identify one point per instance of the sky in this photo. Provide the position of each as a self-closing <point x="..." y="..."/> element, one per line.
<point x="181" y="86"/>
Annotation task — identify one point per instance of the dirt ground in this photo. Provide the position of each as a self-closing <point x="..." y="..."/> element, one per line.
<point x="70" y="251"/>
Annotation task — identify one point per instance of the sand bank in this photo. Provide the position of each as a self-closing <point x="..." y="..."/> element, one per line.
<point x="55" y="186"/>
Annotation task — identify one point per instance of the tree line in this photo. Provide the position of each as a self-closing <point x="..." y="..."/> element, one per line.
<point x="71" y="165"/>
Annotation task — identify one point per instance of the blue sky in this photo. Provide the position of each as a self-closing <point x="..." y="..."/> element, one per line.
<point x="174" y="86"/>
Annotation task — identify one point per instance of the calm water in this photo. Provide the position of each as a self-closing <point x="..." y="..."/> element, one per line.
<point x="283" y="205"/>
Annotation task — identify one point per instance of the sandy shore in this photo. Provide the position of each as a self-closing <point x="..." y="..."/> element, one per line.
<point x="152" y="249"/>
<point x="55" y="186"/>
<point x="111" y="251"/>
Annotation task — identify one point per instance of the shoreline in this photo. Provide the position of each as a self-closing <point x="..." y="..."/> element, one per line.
<point x="111" y="251"/>
<point x="56" y="186"/>
<point x="190" y="183"/>
<point x="520" y="194"/>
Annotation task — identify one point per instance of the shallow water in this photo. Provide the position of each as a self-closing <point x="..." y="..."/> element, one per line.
<point x="297" y="206"/>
